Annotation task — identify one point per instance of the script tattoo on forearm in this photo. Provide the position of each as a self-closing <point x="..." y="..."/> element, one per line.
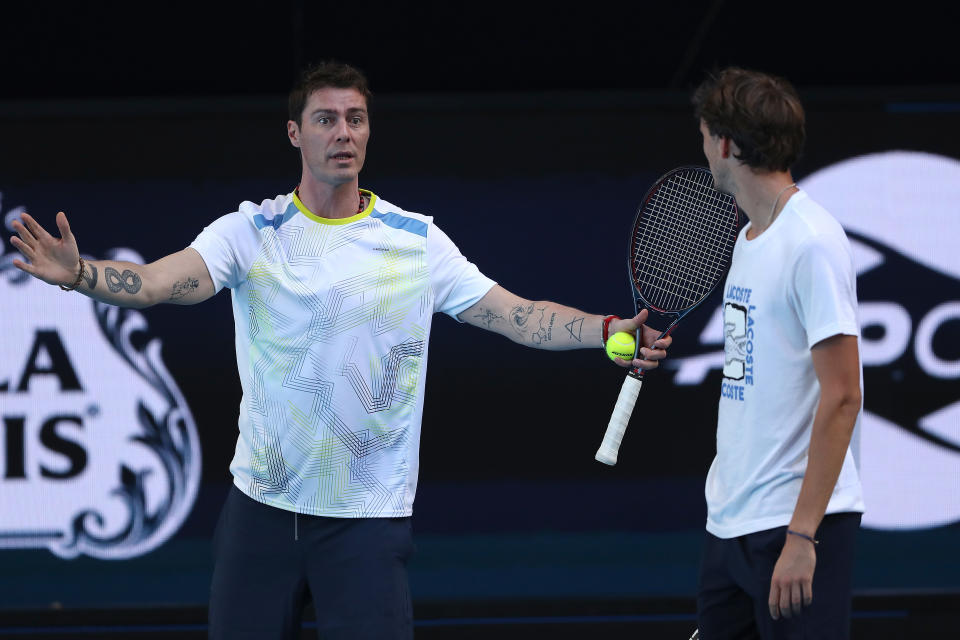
<point x="128" y="281"/>
<point x="183" y="288"/>
<point x="487" y="317"/>
<point x="544" y="333"/>
<point x="575" y="327"/>
<point x="91" y="279"/>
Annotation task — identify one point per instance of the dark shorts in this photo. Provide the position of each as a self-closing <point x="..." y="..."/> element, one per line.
<point x="268" y="563"/>
<point x="735" y="577"/>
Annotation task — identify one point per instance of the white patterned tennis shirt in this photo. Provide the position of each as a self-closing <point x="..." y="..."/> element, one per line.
<point x="332" y="323"/>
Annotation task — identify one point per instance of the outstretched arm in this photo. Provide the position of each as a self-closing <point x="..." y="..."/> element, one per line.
<point x="548" y="325"/>
<point x="180" y="278"/>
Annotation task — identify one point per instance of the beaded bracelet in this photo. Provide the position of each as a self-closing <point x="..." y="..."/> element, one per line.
<point x="803" y="535"/>
<point x="79" y="278"/>
<point x="605" y="334"/>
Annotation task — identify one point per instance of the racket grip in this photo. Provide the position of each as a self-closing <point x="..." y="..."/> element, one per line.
<point x="607" y="453"/>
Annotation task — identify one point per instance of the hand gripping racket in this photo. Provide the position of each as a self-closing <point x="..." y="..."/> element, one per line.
<point x="679" y="251"/>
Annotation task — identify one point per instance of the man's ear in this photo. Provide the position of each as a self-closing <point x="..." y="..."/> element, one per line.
<point x="730" y="148"/>
<point x="293" y="133"/>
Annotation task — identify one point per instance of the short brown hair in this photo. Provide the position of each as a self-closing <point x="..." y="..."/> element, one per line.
<point x="329" y="73"/>
<point x="761" y="113"/>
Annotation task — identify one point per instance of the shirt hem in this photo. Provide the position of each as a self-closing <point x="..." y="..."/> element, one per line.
<point x="837" y="329"/>
<point x="460" y="308"/>
<point x="405" y="513"/>
<point x="201" y="249"/>
<point x="773" y="522"/>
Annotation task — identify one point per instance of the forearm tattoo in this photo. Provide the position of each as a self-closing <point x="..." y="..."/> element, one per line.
<point x="575" y="328"/>
<point x="545" y="333"/>
<point x="519" y="316"/>
<point x="487" y="317"/>
<point x="90" y="279"/>
<point x="183" y="288"/>
<point x="128" y="281"/>
<point x="530" y="320"/>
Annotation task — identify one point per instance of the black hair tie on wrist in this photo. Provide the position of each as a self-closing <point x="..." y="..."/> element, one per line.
<point x="803" y="535"/>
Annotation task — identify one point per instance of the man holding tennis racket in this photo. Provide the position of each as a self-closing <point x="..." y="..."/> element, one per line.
<point x="333" y="294"/>
<point x="783" y="494"/>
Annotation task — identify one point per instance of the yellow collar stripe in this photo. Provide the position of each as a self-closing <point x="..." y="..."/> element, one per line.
<point x="371" y="201"/>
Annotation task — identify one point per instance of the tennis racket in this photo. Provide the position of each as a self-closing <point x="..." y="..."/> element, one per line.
<point x="680" y="249"/>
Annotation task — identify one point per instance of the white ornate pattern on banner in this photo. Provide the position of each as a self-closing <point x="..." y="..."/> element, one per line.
<point x="100" y="452"/>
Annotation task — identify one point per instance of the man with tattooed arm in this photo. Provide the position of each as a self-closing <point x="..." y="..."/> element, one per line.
<point x="325" y="280"/>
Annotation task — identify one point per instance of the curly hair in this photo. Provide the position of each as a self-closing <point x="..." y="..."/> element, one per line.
<point x="329" y="73"/>
<point x="761" y="113"/>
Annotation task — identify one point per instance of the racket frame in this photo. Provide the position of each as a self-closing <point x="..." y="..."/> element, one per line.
<point x="630" y="390"/>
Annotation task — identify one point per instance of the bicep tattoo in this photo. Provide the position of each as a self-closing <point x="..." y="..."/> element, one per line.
<point x="487" y="317"/>
<point x="183" y="288"/>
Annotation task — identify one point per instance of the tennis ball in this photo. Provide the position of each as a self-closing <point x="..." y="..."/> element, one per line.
<point x="621" y="344"/>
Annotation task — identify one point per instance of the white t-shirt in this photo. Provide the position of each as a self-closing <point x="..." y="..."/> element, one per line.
<point x="789" y="288"/>
<point x="332" y="323"/>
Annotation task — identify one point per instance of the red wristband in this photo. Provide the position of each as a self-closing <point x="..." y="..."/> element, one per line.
<point x="606" y="327"/>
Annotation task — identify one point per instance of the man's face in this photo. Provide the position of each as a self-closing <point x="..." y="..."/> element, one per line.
<point x="332" y="134"/>
<point x="713" y="152"/>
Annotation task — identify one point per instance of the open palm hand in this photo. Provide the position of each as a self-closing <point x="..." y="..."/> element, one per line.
<point x="53" y="260"/>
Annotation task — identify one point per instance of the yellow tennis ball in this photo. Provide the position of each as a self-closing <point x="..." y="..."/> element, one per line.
<point x="621" y="344"/>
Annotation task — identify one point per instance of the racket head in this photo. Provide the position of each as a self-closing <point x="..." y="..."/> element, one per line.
<point x="681" y="244"/>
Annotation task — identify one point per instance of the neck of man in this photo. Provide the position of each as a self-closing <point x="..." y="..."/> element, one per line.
<point x="761" y="196"/>
<point x="326" y="200"/>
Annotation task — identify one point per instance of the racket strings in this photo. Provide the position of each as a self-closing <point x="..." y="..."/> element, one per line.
<point x="683" y="241"/>
<point x="684" y="256"/>
<point x="684" y="266"/>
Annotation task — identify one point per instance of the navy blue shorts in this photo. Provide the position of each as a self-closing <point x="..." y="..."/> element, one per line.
<point x="735" y="577"/>
<point x="268" y="563"/>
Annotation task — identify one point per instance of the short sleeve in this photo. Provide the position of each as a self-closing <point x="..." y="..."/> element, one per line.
<point x="227" y="246"/>
<point x="825" y="290"/>
<point x="457" y="283"/>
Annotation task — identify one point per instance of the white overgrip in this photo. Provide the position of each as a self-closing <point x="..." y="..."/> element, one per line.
<point x="607" y="453"/>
